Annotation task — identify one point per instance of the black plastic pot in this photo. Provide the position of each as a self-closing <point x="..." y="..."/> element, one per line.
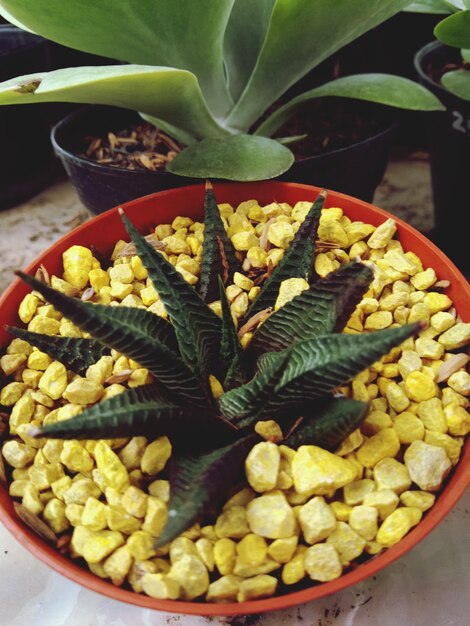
<point x="102" y="187"/>
<point x="28" y="163"/>
<point x="356" y="170"/>
<point x="449" y="148"/>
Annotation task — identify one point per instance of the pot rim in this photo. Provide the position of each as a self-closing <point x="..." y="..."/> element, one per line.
<point x="65" y="153"/>
<point x="31" y="40"/>
<point x="427" y="51"/>
<point x="454" y="489"/>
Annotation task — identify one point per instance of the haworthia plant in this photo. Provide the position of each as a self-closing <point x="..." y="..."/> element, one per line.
<point x="209" y="76"/>
<point x="298" y="360"/>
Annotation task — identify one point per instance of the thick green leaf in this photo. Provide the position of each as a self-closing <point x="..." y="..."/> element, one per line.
<point x="317" y="366"/>
<point x="429" y="6"/>
<point x="393" y="91"/>
<point x="458" y="82"/>
<point x="218" y="253"/>
<point x="328" y="424"/>
<point x="75" y="353"/>
<point x="187" y="34"/>
<point x="324" y="308"/>
<point x="134" y="332"/>
<point x="143" y="411"/>
<point x="170" y="94"/>
<point x="244" y="38"/>
<point x="239" y="157"/>
<point x="297" y="260"/>
<point x="455" y="30"/>
<point x="198" y="329"/>
<point x="243" y="405"/>
<point x="199" y="482"/>
<point x="230" y="348"/>
<point x="301" y="34"/>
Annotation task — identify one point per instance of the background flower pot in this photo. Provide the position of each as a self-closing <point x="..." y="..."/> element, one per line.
<point x="355" y="170"/>
<point x="102" y="232"/>
<point x="28" y="163"/>
<point x="102" y="187"/>
<point x="449" y="147"/>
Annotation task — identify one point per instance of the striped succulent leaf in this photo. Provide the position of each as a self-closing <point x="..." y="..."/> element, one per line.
<point x="76" y="353"/>
<point x="297" y="260"/>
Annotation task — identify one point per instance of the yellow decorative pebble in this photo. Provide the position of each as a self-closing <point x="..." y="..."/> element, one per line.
<point x="232" y="523"/>
<point x="78" y="262"/>
<point x="455" y="337"/>
<point x="111" y="469"/>
<point x="252" y="550"/>
<point x="460" y="382"/>
<point x="427" y="465"/>
<point x="318" y="472"/>
<point x="432" y="415"/>
<point x="424" y="280"/>
<point x="271" y="516"/>
<point x="94" y="514"/>
<point x="378" y="320"/>
<point x="54" y="380"/>
<point x="420" y="386"/>
<point x="289" y="289"/>
<point x="421" y="500"/>
<point x="261" y="586"/>
<point x="363" y="519"/>
<point x="155" y="517"/>
<point x="397" y="524"/>
<point x="458" y="420"/>
<point x="282" y="550"/>
<point x="317" y="520"/>
<point x="155" y="456"/>
<point x="408" y="427"/>
<point x="348" y="544"/>
<point x="262" y="466"/>
<point x="192" y="576"/>
<point x="225" y="555"/>
<point x="383" y="444"/>
<point x="382" y="234"/>
<point x="224" y="589"/>
<point x="355" y="492"/>
<point x="391" y="474"/>
<point x="396" y="397"/>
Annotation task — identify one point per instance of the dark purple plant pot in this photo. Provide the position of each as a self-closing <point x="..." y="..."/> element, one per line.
<point x="449" y="147"/>
<point x="28" y="163"/>
<point x="356" y="170"/>
<point x="102" y="187"/>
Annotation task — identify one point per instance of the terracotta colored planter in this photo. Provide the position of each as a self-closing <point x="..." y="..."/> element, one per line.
<point x="102" y="232"/>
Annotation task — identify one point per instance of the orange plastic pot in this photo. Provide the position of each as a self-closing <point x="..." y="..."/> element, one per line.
<point x="102" y="232"/>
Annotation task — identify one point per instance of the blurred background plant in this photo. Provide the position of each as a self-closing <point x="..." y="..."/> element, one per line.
<point x="205" y="73"/>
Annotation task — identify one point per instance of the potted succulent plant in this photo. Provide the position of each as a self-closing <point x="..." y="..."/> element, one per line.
<point x="207" y="77"/>
<point x="443" y="67"/>
<point x="240" y="373"/>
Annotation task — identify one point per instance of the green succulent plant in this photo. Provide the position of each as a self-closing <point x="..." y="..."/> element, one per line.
<point x="291" y="371"/>
<point x="207" y="72"/>
<point x="454" y="31"/>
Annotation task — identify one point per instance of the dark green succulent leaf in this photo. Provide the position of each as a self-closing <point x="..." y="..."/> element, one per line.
<point x="243" y="405"/>
<point x="130" y="331"/>
<point x="218" y="253"/>
<point x="198" y="329"/>
<point x="143" y="411"/>
<point x="200" y="481"/>
<point x="230" y="348"/>
<point x="458" y="83"/>
<point x="76" y="353"/>
<point x="324" y="308"/>
<point x="297" y="260"/>
<point x="317" y="366"/>
<point x="328" y="424"/>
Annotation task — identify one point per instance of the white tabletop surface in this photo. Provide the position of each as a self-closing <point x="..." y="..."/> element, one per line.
<point x="429" y="586"/>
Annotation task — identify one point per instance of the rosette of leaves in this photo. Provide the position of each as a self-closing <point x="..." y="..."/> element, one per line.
<point x="206" y="71"/>
<point x="297" y="360"/>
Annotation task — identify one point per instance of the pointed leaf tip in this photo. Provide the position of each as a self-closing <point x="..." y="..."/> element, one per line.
<point x="208" y="185"/>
